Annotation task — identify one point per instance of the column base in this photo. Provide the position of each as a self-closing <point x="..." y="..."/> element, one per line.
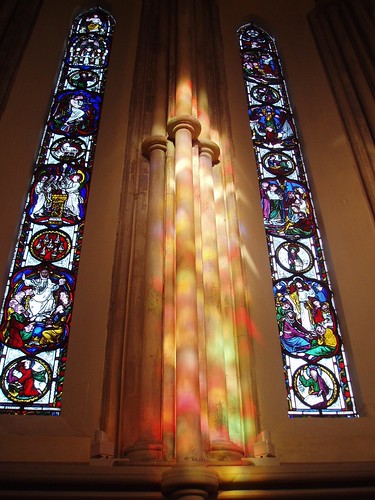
<point x="189" y="482"/>
<point x="144" y="451"/>
<point x="102" y="447"/>
<point x="222" y="450"/>
<point x="263" y="446"/>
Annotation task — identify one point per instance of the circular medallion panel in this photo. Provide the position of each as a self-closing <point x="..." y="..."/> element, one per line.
<point x="294" y="257"/>
<point x="50" y="246"/>
<point x="278" y="164"/>
<point x="66" y="149"/>
<point x="315" y="386"/>
<point x="265" y="94"/>
<point x="26" y="379"/>
<point x="83" y="79"/>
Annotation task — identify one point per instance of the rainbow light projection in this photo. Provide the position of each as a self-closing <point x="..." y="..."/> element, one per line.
<point x="316" y="373"/>
<point x="38" y="301"/>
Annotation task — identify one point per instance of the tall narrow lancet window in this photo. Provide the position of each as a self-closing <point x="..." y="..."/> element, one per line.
<point x="38" y="302"/>
<point x="316" y="372"/>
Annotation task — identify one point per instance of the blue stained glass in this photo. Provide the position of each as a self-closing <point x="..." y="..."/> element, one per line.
<point x="37" y="308"/>
<point x="315" y="368"/>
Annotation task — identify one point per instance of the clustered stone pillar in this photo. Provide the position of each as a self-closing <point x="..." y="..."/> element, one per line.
<point x="17" y="19"/>
<point x="183" y="394"/>
<point x="178" y="338"/>
<point x="344" y="32"/>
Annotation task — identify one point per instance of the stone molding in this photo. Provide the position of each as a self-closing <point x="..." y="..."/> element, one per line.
<point x="152" y="143"/>
<point x="189" y="482"/>
<point x="184" y="122"/>
<point x="210" y="148"/>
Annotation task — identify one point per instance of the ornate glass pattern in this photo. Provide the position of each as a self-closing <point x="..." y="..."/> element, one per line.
<point x="37" y="307"/>
<point x="316" y="373"/>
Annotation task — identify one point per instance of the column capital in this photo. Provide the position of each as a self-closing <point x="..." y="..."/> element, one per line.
<point x="153" y="142"/>
<point x="191" y="481"/>
<point x="184" y="122"/>
<point x="209" y="147"/>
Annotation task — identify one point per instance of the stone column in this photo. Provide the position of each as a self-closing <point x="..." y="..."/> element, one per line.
<point x="188" y="434"/>
<point x="241" y="317"/>
<point x="220" y="446"/>
<point x="149" y="445"/>
<point x="344" y="33"/>
<point x="17" y="19"/>
<point x="190" y="483"/>
<point x="184" y="128"/>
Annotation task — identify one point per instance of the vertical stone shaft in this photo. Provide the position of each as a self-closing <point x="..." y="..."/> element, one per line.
<point x="184" y="90"/>
<point x="154" y="149"/>
<point x="151" y="372"/>
<point x="216" y="375"/>
<point x="188" y="437"/>
<point x="217" y="391"/>
<point x="344" y="34"/>
<point x="216" y="379"/>
<point x="184" y="128"/>
<point x="354" y="57"/>
<point x="241" y="319"/>
<point x="169" y="338"/>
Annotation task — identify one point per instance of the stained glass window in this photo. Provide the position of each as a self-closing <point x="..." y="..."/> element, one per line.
<point x="316" y="372"/>
<point x="38" y="302"/>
